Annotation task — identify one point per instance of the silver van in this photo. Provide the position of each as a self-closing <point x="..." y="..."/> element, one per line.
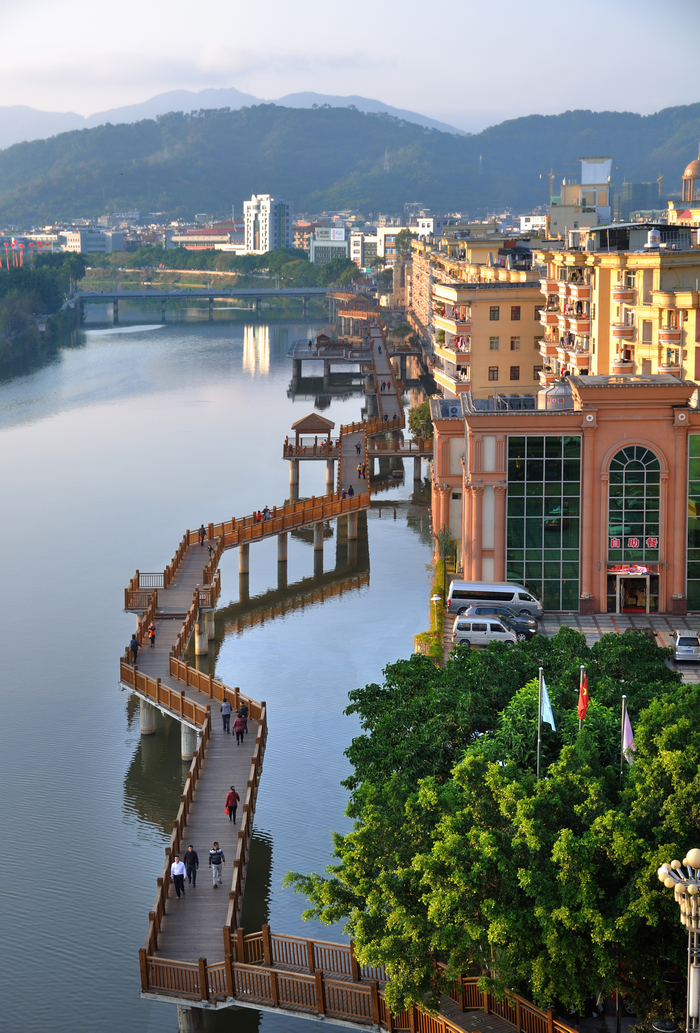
<point x="472" y="631"/>
<point x="463" y="594"/>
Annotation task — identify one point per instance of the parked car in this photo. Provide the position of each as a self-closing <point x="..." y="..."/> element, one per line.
<point x="524" y="627"/>
<point x="463" y="594"/>
<point x="685" y="646"/>
<point x="481" y="632"/>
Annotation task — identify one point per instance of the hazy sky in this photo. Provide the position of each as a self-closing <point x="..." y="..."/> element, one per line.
<point x="468" y="62"/>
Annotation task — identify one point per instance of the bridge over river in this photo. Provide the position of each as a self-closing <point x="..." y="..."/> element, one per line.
<point x="196" y="955"/>
<point x="209" y="294"/>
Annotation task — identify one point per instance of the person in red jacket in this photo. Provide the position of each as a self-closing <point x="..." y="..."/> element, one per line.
<point x="239" y="727"/>
<point x="232" y="799"/>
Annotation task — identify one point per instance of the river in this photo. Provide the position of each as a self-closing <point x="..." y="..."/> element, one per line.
<point x="108" y="451"/>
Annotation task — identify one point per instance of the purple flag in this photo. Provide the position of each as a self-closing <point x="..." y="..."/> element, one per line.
<point x="628" y="746"/>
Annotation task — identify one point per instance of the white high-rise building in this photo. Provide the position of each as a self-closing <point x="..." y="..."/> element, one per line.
<point x="268" y="224"/>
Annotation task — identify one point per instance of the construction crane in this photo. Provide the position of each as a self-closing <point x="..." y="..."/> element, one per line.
<point x="659" y="182"/>
<point x="551" y="179"/>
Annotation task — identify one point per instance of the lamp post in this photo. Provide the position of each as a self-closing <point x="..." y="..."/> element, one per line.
<point x="686" y="889"/>
<point x="435" y="599"/>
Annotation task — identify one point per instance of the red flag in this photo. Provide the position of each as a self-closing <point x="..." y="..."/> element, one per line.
<point x="583" y="696"/>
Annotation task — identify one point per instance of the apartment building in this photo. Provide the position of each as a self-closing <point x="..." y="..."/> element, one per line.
<point x="363" y="249"/>
<point x="327" y="243"/>
<point x="626" y="301"/>
<point x="585" y="203"/>
<point x="91" y="241"/>
<point x="268" y="224"/>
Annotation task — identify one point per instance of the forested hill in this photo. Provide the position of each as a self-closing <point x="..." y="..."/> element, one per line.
<point x="328" y="158"/>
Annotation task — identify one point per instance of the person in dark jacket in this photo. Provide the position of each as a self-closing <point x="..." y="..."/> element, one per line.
<point x="202" y="535"/>
<point x="191" y="863"/>
<point x="232" y="800"/>
<point x="225" y="709"/>
<point x="239" y="727"/>
<point x="134" y="646"/>
<point x="216" y="863"/>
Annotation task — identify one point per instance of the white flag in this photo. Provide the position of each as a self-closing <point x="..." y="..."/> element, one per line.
<point x="628" y="746"/>
<point x="547" y="714"/>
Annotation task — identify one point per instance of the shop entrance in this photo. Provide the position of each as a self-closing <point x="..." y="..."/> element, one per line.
<point x="633" y="594"/>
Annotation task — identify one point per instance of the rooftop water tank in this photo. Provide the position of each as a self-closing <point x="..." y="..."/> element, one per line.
<point x="653" y="238"/>
<point x="558" y="396"/>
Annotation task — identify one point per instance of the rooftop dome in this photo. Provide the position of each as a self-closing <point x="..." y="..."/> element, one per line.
<point x="693" y="170"/>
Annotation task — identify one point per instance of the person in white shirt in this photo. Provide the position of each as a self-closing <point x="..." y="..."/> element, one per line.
<point x="177" y="874"/>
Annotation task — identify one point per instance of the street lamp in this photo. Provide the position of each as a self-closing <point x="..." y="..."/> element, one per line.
<point x="435" y="599"/>
<point x="686" y="889"/>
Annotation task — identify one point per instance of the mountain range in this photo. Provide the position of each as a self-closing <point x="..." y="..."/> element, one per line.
<point x="329" y="158"/>
<point x="19" y="123"/>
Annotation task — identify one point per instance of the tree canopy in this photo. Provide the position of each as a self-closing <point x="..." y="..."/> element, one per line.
<point x="459" y="854"/>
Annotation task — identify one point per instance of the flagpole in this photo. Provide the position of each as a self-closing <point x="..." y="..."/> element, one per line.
<point x="580" y="687"/>
<point x="539" y="723"/>
<point x="622" y="732"/>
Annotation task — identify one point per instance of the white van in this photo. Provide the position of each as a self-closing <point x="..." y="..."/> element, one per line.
<point x="464" y="594"/>
<point x="475" y="632"/>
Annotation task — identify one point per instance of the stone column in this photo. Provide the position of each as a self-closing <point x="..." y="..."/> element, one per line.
<point x="244" y="558"/>
<point x="201" y="634"/>
<point x="210" y="624"/>
<point x="417" y="468"/>
<point x="281" y="576"/>
<point x="282" y="547"/>
<point x="188" y="742"/>
<point x="352" y="527"/>
<point x="190" y="1020"/>
<point x="678" y="533"/>
<point x="318" y="536"/>
<point x="244" y="588"/>
<point x="147" y="716"/>
<point x="499" y="536"/>
<point x="587" y="602"/>
<point x="477" y="522"/>
<point x="467" y="533"/>
<point x="294" y="474"/>
<point x="330" y="476"/>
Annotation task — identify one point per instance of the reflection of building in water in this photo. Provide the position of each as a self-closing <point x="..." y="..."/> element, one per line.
<point x="256" y="349"/>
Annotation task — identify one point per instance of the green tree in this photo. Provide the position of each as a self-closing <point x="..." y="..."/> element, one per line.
<point x="460" y="854"/>
<point x="403" y="242"/>
<point x="420" y="422"/>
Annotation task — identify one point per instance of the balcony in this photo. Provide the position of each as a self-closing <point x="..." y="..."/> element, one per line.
<point x="670" y="335"/>
<point x="549" y="317"/>
<point x="580" y="324"/>
<point x="622" y="331"/>
<point x="548" y="349"/>
<point x="452" y="353"/>
<point x="621" y="293"/>
<point x="453" y="381"/>
<point x="580" y="291"/>
<point x="670" y="367"/>
<point x="453" y="326"/>
<point x="548" y="286"/>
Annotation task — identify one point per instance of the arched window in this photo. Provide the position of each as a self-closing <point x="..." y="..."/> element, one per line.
<point x="633" y="508"/>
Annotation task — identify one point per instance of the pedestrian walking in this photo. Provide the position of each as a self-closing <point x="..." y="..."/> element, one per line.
<point x="152" y="634"/>
<point x="216" y="863"/>
<point x="232" y="799"/>
<point x="364" y="471"/>
<point x="134" y="646"/>
<point x="351" y="491"/>
<point x="225" y="709"/>
<point x="191" y="862"/>
<point x="243" y="711"/>
<point x="210" y="550"/>
<point x="343" y="494"/>
<point x="359" y="469"/>
<point x="202" y="535"/>
<point x="239" y="727"/>
<point x="177" y="874"/>
<point x="358" y="447"/>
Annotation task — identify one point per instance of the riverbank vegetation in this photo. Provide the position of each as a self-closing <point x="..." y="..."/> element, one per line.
<point x="29" y="296"/>
<point x="460" y="855"/>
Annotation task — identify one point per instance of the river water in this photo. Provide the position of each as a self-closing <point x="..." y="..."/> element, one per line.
<point x="108" y="451"/>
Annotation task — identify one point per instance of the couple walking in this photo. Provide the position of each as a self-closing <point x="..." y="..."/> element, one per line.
<point x="186" y="867"/>
<point x="240" y="725"/>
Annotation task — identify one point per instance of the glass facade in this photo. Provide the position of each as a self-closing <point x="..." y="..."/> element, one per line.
<point x="633" y="506"/>
<point x="543" y="517"/>
<point x="693" y="568"/>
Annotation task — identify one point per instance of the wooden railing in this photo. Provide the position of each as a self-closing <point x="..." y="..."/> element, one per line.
<point x="259" y="612"/>
<point x="308" y="449"/>
<point x="155" y="916"/>
<point x="414" y="446"/>
<point x="153" y="689"/>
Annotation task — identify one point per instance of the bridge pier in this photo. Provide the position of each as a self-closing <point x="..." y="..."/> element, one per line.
<point x="352" y="527"/>
<point x="162" y="310"/>
<point x="147" y="717"/>
<point x="190" y="1020"/>
<point x="211" y="625"/>
<point x="115" y="311"/>
<point x="244" y="588"/>
<point x="330" y="476"/>
<point x="282" y="547"/>
<point x="417" y="468"/>
<point x="305" y="306"/>
<point x="244" y="558"/>
<point x="188" y="742"/>
<point x="318" y="536"/>
<point x="211" y="310"/>
<point x="281" y="576"/>
<point x="294" y="476"/>
<point x="326" y="373"/>
<point x="201" y="636"/>
<point x="258" y="306"/>
<point x="296" y="368"/>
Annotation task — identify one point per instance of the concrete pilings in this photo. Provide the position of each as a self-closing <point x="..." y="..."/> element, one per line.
<point x="318" y="536"/>
<point x="244" y="558"/>
<point x="162" y="310"/>
<point x="147" y="717"/>
<point x="211" y="625"/>
<point x="201" y="636"/>
<point x="115" y="311"/>
<point x="352" y="527"/>
<point x="417" y="468"/>
<point x="190" y="1020"/>
<point x="294" y="474"/>
<point x="330" y="476"/>
<point x="188" y="742"/>
<point x="282" y="547"/>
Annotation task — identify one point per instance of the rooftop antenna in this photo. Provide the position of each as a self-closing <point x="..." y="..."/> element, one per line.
<point x="386" y="159"/>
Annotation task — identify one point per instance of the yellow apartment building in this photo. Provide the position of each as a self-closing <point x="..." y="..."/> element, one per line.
<point x="627" y="301"/>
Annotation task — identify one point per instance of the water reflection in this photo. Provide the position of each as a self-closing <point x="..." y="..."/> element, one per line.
<point x="256" y="349"/>
<point x="156" y="775"/>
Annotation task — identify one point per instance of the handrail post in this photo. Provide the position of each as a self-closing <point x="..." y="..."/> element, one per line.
<point x="143" y="965"/>
<point x="320" y="999"/>
<point x="354" y="964"/>
<point x="240" y="945"/>
<point x="550" y="1020"/>
<point x="310" y="956"/>
<point x="518" y="1015"/>
<point x="374" y="996"/>
<point x="274" y="988"/>
<point x="485" y="996"/>
<point x="267" y="943"/>
<point x="203" y="979"/>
